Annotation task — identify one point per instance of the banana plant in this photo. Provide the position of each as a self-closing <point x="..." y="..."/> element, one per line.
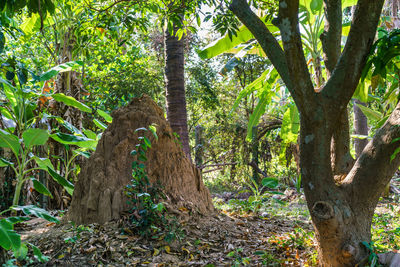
<point x="22" y="150"/>
<point x="241" y="44"/>
<point x="25" y="136"/>
<point x="11" y="240"/>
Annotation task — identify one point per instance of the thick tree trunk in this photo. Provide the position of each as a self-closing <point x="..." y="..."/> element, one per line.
<point x="341" y="211"/>
<point x="175" y="88"/>
<point x="360" y="127"/>
<point x="339" y="225"/>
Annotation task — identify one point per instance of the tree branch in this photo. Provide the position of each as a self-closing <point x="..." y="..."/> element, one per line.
<point x="345" y="77"/>
<point x="332" y="34"/>
<point x="266" y="40"/>
<point x="288" y="24"/>
<point x="375" y="166"/>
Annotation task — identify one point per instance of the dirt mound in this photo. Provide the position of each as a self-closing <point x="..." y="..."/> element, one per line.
<point x="99" y="193"/>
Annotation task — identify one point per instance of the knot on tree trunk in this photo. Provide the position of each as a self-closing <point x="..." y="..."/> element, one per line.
<point x="323" y="210"/>
<point x="349" y="250"/>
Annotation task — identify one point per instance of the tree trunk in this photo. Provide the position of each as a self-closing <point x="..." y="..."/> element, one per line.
<point x="339" y="225"/>
<point x="199" y="149"/>
<point x="360" y="127"/>
<point x="342" y="161"/>
<point x="341" y="211"/>
<point x="175" y="88"/>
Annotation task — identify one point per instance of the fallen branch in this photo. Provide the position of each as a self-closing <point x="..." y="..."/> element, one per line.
<point x="217" y="165"/>
<point x="216" y="169"/>
<point x="254" y="165"/>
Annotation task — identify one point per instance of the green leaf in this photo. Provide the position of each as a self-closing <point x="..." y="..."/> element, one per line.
<point x="147" y="141"/>
<point x="347" y="3"/>
<point x="270" y="182"/>
<point x="90" y="134"/>
<point x="68" y="66"/>
<point x="361" y="92"/>
<point x="382" y="121"/>
<point x="41" y="188"/>
<point x="259" y="110"/>
<point x="9" y="91"/>
<point x="316" y="5"/>
<point x="104" y="115"/>
<point x="69" y="139"/>
<point x="68" y="186"/>
<point x="9" y="239"/>
<point x="6" y="113"/>
<point x="142" y="158"/>
<point x="71" y="128"/>
<point x="11" y="141"/>
<point x="28" y="25"/>
<point x="225" y="43"/>
<point x="16" y="219"/>
<point x="290" y="125"/>
<point x="43" y="163"/>
<point x="100" y="124"/>
<point x="393" y="156"/>
<point x="5" y="163"/>
<point x="231" y="254"/>
<point x="153" y="130"/>
<point x="36" y="211"/>
<point x="38" y="254"/>
<point x="70" y="101"/>
<point x="35" y="137"/>
<point x="85" y="154"/>
<point x="21" y="252"/>
<point x="359" y="136"/>
<point x="370" y="114"/>
<point x="266" y="81"/>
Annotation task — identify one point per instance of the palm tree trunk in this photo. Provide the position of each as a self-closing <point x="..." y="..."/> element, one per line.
<point x="175" y="88"/>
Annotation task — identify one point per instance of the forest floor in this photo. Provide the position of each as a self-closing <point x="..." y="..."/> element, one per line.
<point x="275" y="233"/>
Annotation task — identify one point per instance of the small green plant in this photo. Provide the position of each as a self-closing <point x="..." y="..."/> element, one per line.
<point x="259" y="194"/>
<point x="173" y="231"/>
<point x="373" y="259"/>
<point x="238" y="260"/>
<point x="143" y="196"/>
<point x="76" y="230"/>
<point x="267" y="258"/>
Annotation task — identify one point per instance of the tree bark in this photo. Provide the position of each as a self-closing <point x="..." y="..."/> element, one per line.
<point x="342" y="161"/>
<point x="175" y="88"/>
<point x="341" y="211"/>
<point x="360" y="127"/>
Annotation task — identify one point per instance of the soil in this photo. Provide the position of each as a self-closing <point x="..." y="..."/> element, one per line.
<point x="223" y="239"/>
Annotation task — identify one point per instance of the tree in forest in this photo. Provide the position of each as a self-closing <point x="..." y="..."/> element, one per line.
<point x="341" y="209"/>
<point x="175" y="86"/>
